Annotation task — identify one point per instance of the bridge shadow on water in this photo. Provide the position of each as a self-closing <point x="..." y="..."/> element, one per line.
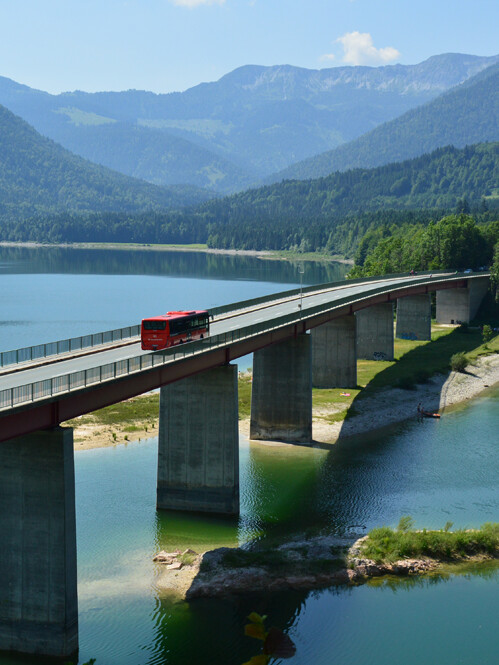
<point x="330" y="490"/>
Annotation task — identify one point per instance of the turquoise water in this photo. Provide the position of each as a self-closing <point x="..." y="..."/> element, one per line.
<point x="435" y="471"/>
<point x="48" y="294"/>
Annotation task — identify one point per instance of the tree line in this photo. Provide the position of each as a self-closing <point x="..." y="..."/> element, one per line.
<point x="454" y="242"/>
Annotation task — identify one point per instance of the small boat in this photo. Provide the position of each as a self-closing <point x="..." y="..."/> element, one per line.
<point x="427" y="414"/>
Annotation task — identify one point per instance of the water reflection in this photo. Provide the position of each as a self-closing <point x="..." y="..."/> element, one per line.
<point x="212" y="631"/>
<point x="199" y="265"/>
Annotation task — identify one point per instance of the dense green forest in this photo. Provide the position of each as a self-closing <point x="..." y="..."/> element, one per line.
<point x="334" y="213"/>
<point x="37" y="176"/>
<point x="330" y="214"/>
<point x="455" y="241"/>
<point x="465" y="115"/>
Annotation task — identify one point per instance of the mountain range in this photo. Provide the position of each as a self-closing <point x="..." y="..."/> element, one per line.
<point x="39" y="177"/>
<point x="467" y="114"/>
<point x="227" y="135"/>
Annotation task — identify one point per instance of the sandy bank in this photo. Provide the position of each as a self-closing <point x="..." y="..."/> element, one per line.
<point x="385" y="407"/>
<point x="391" y="405"/>
<point x="258" y="253"/>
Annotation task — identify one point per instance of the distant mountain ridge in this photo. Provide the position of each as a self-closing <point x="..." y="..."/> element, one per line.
<point x="228" y="134"/>
<point x="37" y="176"/>
<point x="466" y="114"/>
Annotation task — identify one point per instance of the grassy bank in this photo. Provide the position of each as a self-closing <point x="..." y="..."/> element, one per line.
<point x="289" y="255"/>
<point x="385" y="545"/>
<point x="134" y="245"/>
<point x="415" y="362"/>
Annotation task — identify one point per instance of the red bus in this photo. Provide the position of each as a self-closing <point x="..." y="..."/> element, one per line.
<point x="160" y="332"/>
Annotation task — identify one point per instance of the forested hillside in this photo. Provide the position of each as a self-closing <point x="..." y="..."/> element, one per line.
<point x="463" y="116"/>
<point x="334" y="212"/>
<point x="330" y="214"/>
<point x="155" y="156"/>
<point x="39" y="176"/>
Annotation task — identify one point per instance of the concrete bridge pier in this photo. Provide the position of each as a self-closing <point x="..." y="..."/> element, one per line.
<point x="334" y="353"/>
<point x="198" y="456"/>
<point x="375" y="332"/>
<point x="461" y="305"/>
<point x="414" y="318"/>
<point x="38" y="595"/>
<point x="281" y="397"/>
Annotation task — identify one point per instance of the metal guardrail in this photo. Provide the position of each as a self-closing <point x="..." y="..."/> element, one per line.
<point x="244" y="304"/>
<point x="47" y="388"/>
<point x="30" y="353"/>
<point x="39" y="351"/>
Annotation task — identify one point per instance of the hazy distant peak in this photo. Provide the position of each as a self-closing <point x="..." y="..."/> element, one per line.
<point x="436" y="74"/>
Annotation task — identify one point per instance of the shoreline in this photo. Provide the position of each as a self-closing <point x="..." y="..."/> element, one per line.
<point x="300" y="564"/>
<point x="256" y="253"/>
<point x="372" y="412"/>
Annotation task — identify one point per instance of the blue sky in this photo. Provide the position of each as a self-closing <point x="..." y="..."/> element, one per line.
<point x="168" y="45"/>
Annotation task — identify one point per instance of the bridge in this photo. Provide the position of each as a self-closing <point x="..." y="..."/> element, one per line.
<point x="300" y="339"/>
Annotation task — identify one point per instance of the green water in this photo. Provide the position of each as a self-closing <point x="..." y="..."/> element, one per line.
<point x="436" y="471"/>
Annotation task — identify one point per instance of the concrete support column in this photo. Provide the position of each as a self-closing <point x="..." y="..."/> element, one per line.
<point x="461" y="305"/>
<point x="198" y="456"/>
<point x="414" y="317"/>
<point x="38" y="596"/>
<point x="281" y="397"/>
<point x="375" y="332"/>
<point x="334" y="354"/>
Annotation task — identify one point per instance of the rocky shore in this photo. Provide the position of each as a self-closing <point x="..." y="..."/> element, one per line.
<point x="304" y="564"/>
<point x="301" y="565"/>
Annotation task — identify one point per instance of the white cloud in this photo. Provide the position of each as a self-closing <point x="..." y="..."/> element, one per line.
<point x="359" y="50"/>
<point x="196" y="3"/>
<point x="327" y="56"/>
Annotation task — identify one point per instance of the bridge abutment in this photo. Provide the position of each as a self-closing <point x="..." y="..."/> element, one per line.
<point x="198" y="456"/>
<point x="414" y="318"/>
<point x="281" y="398"/>
<point x="334" y="353"/>
<point x="461" y="305"/>
<point x="375" y="332"/>
<point x="39" y="604"/>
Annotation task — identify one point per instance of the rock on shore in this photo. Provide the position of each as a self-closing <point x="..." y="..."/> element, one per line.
<point x="305" y="564"/>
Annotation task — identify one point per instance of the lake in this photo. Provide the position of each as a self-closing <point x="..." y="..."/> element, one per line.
<point x="435" y="471"/>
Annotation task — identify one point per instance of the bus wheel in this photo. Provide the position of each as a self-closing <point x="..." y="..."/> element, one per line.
<point x="202" y="336"/>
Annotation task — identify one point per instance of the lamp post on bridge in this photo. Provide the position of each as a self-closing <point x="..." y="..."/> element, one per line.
<point x="301" y="270"/>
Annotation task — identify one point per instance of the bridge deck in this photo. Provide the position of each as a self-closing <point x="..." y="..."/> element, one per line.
<point x="232" y="334"/>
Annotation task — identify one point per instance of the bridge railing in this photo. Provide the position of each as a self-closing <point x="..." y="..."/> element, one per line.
<point x="66" y="346"/>
<point x="261" y="300"/>
<point x="47" y="388"/>
<point x="62" y="346"/>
